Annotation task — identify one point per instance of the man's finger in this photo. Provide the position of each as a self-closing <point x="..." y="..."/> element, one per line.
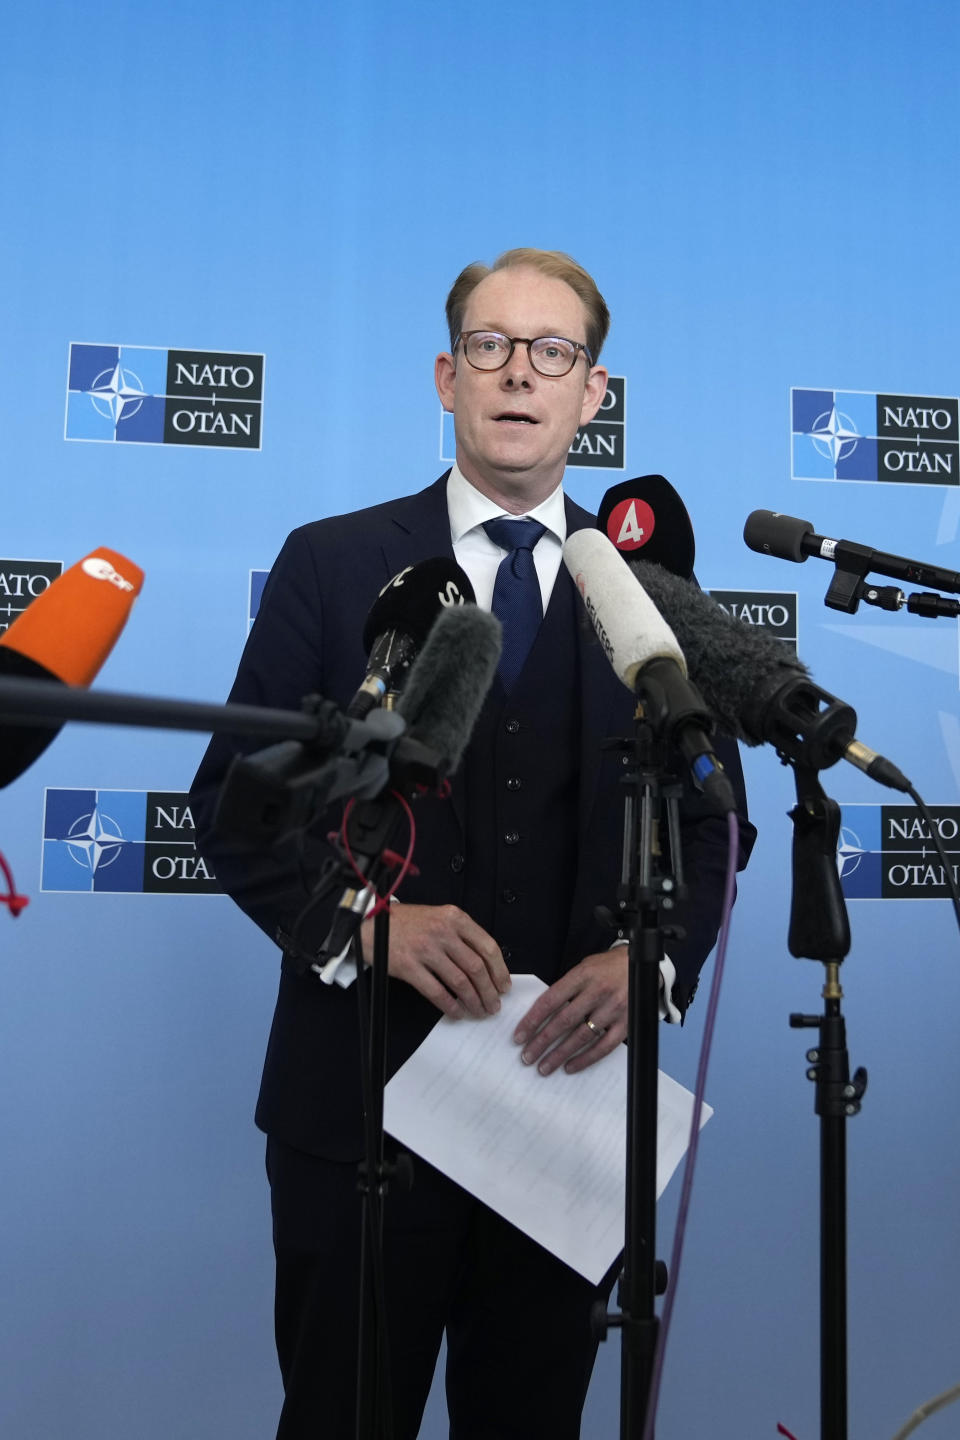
<point x="486" y="948"/>
<point x="614" y="1037"/>
<point x="450" y="959"/>
<point x="465" y="975"/>
<point x="542" y="1010"/>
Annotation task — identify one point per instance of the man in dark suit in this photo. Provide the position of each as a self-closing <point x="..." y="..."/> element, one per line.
<point x="511" y="872"/>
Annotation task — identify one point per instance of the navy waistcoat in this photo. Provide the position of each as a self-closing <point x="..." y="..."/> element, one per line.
<point x="521" y="787"/>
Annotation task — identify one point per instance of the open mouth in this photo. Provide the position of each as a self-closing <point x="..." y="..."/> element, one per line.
<point x="515" y="417"/>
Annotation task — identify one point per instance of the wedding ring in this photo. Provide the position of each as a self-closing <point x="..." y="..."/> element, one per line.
<point x="595" y="1028"/>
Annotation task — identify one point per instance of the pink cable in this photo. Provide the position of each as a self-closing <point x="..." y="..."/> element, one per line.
<point x="733" y="849"/>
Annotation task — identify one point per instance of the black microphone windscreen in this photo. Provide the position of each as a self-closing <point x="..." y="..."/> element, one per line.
<point x="20" y="745"/>
<point x="411" y="601"/>
<point x="770" y="533"/>
<point x="736" y="667"/>
<point x="449" y="680"/>
<point x="646" y="519"/>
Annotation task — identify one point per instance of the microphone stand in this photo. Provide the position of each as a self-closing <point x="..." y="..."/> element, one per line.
<point x="374" y="1398"/>
<point x="819" y="930"/>
<point x="267" y="795"/>
<point x="369" y="831"/>
<point x="48" y="703"/>
<point x="651" y="883"/>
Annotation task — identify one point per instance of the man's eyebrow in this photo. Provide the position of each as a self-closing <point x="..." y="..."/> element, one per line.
<point x="544" y="331"/>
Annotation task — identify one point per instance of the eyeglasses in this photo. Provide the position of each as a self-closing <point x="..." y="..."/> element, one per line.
<point x="549" y="354"/>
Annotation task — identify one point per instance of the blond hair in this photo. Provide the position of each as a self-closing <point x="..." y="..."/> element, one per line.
<point x="554" y="263"/>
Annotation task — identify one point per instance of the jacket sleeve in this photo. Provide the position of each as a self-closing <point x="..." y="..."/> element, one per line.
<point x="705" y="845"/>
<point x="283" y="661"/>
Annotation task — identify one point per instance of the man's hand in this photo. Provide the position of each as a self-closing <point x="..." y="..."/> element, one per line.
<point x="594" y="991"/>
<point x="445" y="955"/>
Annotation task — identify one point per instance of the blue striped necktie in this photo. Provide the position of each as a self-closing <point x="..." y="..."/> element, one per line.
<point x="517" y="602"/>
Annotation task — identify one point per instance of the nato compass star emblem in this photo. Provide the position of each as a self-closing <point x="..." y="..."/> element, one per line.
<point x="94" y="841"/>
<point x="834" y="435"/>
<point x="117" y="393"/>
<point x="849" y="852"/>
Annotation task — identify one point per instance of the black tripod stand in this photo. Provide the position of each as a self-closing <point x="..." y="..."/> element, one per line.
<point x="651" y="885"/>
<point x="819" y="930"/>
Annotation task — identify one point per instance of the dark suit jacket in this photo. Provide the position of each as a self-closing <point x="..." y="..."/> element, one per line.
<point x="307" y="639"/>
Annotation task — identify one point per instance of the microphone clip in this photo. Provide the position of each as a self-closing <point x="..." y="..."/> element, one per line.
<point x="849" y="586"/>
<point x="673" y="706"/>
<point x="806" y="725"/>
<point x="851" y="565"/>
<point x="888" y="597"/>
<point x="281" y="790"/>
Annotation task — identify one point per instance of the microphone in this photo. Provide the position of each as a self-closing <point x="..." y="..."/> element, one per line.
<point x="449" y="682"/>
<point x="64" y="636"/>
<point x="269" y="795"/>
<point x="441" y="701"/>
<point x="646" y="519"/>
<point x="645" y="654"/>
<point x="759" y="693"/>
<point x="399" y="622"/>
<point x="770" y="533"/>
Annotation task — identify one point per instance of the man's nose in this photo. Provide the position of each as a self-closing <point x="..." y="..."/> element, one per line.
<point x="518" y="369"/>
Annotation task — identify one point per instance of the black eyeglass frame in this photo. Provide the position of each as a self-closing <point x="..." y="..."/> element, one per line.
<point x="516" y="340"/>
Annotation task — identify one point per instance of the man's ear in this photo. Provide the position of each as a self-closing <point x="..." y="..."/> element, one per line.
<point x="445" y="379"/>
<point x="594" y="391"/>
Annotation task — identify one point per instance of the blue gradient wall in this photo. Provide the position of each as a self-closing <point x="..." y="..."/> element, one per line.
<point x="767" y="196"/>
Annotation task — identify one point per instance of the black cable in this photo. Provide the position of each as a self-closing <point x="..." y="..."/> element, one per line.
<point x="382" y="1402"/>
<point x="935" y="836"/>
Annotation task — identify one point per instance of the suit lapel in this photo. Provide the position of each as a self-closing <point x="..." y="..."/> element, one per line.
<point x="418" y="529"/>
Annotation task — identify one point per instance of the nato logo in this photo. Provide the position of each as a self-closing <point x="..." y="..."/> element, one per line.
<point x="772" y="610"/>
<point x="141" y="395"/>
<point x="22" y="581"/>
<point x="122" y="842"/>
<point x="886" y="852"/>
<point x="602" y="443"/>
<point x="857" y="435"/>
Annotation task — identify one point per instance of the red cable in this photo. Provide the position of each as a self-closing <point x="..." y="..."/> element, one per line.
<point x="404" y="866"/>
<point x="14" y="901"/>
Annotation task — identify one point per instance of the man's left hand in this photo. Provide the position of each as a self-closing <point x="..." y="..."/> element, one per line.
<point x="594" y="991"/>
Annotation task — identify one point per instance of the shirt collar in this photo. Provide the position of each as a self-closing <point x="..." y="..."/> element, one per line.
<point x="468" y="509"/>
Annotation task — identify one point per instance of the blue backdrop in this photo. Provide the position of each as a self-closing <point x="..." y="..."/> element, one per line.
<point x="767" y="197"/>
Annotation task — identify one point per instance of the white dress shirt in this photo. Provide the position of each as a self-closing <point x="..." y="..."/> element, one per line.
<point x="479" y="555"/>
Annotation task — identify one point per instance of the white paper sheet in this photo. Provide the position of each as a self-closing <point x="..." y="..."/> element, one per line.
<point x="546" y="1152"/>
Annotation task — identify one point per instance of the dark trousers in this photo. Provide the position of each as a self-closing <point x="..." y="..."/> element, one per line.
<point x="520" y="1349"/>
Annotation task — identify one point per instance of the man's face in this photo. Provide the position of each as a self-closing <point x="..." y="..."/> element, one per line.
<point x="514" y="426"/>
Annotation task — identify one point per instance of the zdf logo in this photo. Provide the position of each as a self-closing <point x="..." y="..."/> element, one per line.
<point x="98" y="567"/>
